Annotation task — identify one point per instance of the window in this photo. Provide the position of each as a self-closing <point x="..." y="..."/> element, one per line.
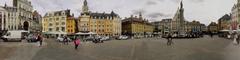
<point x="63" y="28"/>
<point x="50" y="24"/>
<point x="50" y="29"/>
<point x="57" y="29"/>
<point x="57" y="19"/>
<point x="63" y="23"/>
<point x="57" y="23"/>
<point x="50" y="19"/>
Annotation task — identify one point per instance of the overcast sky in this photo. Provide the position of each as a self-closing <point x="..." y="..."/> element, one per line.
<point x="204" y="11"/>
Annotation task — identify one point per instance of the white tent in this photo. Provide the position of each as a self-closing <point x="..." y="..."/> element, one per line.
<point x="80" y="33"/>
<point x="62" y="32"/>
<point x="92" y="33"/>
<point x="89" y="33"/>
<point x="225" y="30"/>
<point x="55" y="32"/>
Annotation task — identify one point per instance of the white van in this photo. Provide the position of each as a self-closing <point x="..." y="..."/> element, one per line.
<point x="16" y="35"/>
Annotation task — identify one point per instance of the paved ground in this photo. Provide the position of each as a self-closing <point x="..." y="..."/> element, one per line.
<point x="136" y="49"/>
<point x="5" y="52"/>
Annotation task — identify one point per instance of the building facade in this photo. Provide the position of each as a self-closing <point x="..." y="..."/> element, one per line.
<point x="55" y="23"/>
<point x="103" y="24"/>
<point x="195" y="26"/>
<point x="163" y="26"/>
<point x="224" y="22"/>
<point x="204" y="28"/>
<point x="234" y="17"/>
<point x="36" y="24"/>
<point x="71" y="25"/>
<point x="24" y="11"/>
<point x="17" y="17"/>
<point x="213" y="27"/>
<point x="8" y="18"/>
<point x="137" y="27"/>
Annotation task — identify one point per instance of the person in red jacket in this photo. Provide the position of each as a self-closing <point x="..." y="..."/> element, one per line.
<point x="77" y="43"/>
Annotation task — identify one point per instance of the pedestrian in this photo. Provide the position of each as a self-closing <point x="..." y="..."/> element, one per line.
<point x="211" y="35"/>
<point x="40" y="39"/>
<point x="65" y="40"/>
<point x="77" y="43"/>
<point x="235" y="39"/>
<point x="169" y="38"/>
<point x="238" y="39"/>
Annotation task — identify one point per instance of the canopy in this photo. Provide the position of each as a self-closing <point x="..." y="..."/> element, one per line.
<point x="80" y="33"/>
<point x="89" y="33"/>
<point x="54" y="32"/>
<point x="92" y="33"/>
<point x="225" y="30"/>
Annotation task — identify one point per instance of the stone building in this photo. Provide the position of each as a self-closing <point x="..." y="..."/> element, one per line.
<point x="55" y="23"/>
<point x="163" y="26"/>
<point x="17" y="17"/>
<point x="103" y="24"/>
<point x="195" y="26"/>
<point x="36" y="24"/>
<point x="24" y="11"/>
<point x="224" y="22"/>
<point x="235" y="20"/>
<point x="71" y="25"/>
<point x="137" y="27"/>
<point x="213" y="27"/>
<point x="8" y="18"/>
<point x="204" y="28"/>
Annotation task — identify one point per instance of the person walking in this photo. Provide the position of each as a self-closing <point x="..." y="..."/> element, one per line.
<point x="77" y="43"/>
<point x="40" y="39"/>
<point x="211" y="35"/>
<point x="65" y="40"/>
<point x="169" y="38"/>
<point x="235" y="39"/>
<point x="238" y="39"/>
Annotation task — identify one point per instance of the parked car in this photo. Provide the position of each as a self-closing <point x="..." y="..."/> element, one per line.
<point x="105" y="38"/>
<point x="89" y="39"/>
<point x="31" y="38"/>
<point x="61" y="39"/>
<point x="122" y="37"/>
<point x="97" y="40"/>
